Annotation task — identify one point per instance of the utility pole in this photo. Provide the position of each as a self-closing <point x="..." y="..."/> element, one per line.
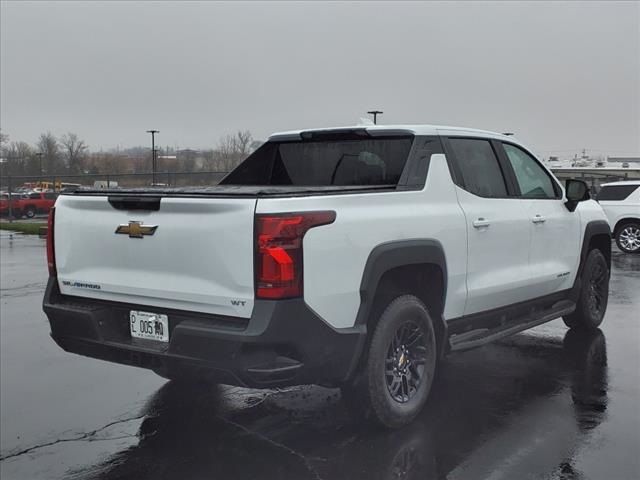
<point x="153" y="154"/>
<point x="39" y="155"/>
<point x="375" y="114"/>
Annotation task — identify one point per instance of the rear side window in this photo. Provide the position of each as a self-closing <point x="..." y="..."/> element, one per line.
<point x="50" y="196"/>
<point x="362" y="161"/>
<point x="34" y="195"/>
<point x="533" y="180"/>
<point x="616" y="192"/>
<point x="479" y="166"/>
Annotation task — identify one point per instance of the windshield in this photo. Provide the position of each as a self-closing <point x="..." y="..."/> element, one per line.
<point x="370" y="161"/>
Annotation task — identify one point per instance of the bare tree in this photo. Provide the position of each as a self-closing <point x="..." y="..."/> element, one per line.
<point x="231" y="150"/>
<point x="243" y="142"/>
<point x="4" y="141"/>
<point x="75" y="151"/>
<point x="19" y="158"/>
<point x="50" y="149"/>
<point x="107" y="162"/>
<point x="209" y="160"/>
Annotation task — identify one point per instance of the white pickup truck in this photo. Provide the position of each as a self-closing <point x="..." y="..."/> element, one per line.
<point x="350" y="257"/>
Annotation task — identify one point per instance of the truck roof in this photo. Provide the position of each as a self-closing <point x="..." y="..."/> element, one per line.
<point x="410" y="129"/>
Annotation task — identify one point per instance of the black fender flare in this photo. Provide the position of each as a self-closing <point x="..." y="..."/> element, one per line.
<point x="593" y="228"/>
<point x="385" y="257"/>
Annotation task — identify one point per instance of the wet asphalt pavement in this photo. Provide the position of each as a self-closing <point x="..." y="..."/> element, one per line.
<point x="543" y="404"/>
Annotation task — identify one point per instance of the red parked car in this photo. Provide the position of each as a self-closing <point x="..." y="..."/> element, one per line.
<point x="36" y="202"/>
<point x="15" y="204"/>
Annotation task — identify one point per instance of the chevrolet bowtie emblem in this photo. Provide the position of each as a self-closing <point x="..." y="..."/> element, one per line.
<point x="136" y="229"/>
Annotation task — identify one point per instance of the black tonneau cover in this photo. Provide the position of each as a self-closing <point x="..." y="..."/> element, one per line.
<point x="230" y="191"/>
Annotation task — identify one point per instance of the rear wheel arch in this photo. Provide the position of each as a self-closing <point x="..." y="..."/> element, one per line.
<point x="415" y="267"/>
<point x="625" y="234"/>
<point x="622" y="222"/>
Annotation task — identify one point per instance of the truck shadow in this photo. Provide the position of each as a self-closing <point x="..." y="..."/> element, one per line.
<point x="487" y="406"/>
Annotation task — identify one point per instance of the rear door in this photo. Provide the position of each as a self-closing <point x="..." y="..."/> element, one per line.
<point x="555" y="231"/>
<point x="191" y="254"/>
<point x="497" y="227"/>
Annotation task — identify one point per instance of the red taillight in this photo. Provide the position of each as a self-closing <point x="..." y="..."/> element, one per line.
<point x="279" y="251"/>
<point x="51" y="255"/>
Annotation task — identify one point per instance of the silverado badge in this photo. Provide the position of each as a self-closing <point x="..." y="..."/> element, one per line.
<point x="136" y="229"/>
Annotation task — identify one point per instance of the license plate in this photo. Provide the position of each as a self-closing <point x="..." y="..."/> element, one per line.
<point x="150" y="326"/>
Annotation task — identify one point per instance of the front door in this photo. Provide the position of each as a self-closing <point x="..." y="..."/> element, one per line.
<point x="555" y="231"/>
<point x="497" y="229"/>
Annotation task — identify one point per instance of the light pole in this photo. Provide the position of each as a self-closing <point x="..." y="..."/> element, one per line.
<point x="153" y="154"/>
<point x="375" y="114"/>
<point x="39" y="155"/>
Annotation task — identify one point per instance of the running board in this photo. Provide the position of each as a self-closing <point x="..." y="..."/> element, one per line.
<point x="482" y="336"/>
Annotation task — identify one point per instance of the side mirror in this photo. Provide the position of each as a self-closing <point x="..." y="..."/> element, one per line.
<point x="577" y="191"/>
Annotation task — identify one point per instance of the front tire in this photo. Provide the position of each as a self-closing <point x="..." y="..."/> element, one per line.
<point x="30" y="212"/>
<point x="395" y="381"/>
<point x="628" y="237"/>
<point x="594" y="294"/>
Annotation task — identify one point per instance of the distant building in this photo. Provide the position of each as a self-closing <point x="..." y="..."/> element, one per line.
<point x="596" y="176"/>
<point x="624" y="159"/>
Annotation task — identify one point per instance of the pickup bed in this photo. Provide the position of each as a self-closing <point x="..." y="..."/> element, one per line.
<point x="353" y="257"/>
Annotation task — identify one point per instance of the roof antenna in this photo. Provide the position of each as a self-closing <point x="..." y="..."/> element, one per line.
<point x="508" y="134"/>
<point x="375" y="114"/>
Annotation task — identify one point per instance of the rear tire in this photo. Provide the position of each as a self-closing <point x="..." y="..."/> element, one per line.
<point x="395" y="380"/>
<point x="593" y="296"/>
<point x="628" y="237"/>
<point x="30" y="212"/>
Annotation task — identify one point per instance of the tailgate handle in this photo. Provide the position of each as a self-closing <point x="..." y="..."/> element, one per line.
<point x="135" y="203"/>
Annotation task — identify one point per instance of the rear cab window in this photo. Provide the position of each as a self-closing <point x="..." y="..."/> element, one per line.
<point x="616" y="192"/>
<point x="331" y="160"/>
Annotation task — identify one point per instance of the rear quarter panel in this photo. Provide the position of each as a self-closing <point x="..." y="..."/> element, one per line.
<point x="335" y="255"/>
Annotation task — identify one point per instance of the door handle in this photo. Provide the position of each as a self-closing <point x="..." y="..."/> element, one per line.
<point x="538" y="219"/>
<point x="481" y="222"/>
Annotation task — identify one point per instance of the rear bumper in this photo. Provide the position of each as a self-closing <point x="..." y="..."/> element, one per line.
<point x="283" y="343"/>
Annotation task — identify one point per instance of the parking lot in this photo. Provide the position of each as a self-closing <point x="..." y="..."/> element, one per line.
<point x="542" y="404"/>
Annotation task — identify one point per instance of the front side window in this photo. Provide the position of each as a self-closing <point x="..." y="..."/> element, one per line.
<point x="533" y="180"/>
<point x="34" y="196"/>
<point x="479" y="165"/>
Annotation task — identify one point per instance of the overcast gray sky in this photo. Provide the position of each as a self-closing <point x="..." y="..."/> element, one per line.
<point x="562" y="76"/>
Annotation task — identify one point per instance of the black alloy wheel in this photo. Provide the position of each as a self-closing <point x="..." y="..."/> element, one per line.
<point x="405" y="361"/>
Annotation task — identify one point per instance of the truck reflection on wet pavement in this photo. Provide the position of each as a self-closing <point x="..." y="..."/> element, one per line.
<point x="529" y="397"/>
<point x="548" y="403"/>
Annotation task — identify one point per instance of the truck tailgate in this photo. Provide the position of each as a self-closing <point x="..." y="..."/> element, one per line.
<point x="198" y="258"/>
